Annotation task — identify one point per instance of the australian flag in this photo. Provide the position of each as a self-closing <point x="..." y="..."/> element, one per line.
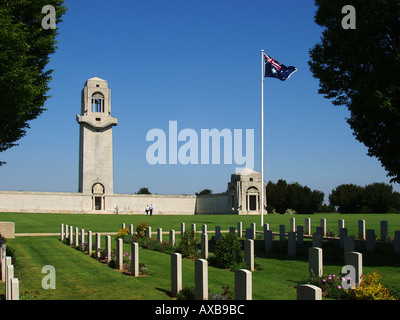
<point x="275" y="69"/>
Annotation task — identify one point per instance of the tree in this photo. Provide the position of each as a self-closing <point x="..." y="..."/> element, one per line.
<point x="360" y="69"/>
<point x="282" y="196"/>
<point x="204" y="192"/>
<point x="373" y="198"/>
<point x="347" y="197"/>
<point x="378" y="197"/>
<point x="143" y="190"/>
<point x="25" y="47"/>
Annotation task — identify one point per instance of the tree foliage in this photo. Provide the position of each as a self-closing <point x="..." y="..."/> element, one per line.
<point x="282" y="196"/>
<point x="373" y="198"/>
<point x="360" y="69"/>
<point x="204" y="192"/>
<point x="24" y="54"/>
<point x="143" y="190"/>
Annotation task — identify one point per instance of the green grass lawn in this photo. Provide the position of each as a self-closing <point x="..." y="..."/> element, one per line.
<point x="45" y="222"/>
<point x="80" y="277"/>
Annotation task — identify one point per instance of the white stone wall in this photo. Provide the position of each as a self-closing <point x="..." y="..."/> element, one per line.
<point x="163" y="204"/>
<point x="57" y="202"/>
<point x="218" y="203"/>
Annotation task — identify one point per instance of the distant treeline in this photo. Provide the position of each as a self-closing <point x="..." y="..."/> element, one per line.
<point x="283" y="197"/>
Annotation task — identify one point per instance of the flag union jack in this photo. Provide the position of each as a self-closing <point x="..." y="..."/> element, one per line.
<point x="275" y="69"/>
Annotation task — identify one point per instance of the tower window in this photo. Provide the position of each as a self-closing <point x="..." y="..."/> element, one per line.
<point x="97" y="102"/>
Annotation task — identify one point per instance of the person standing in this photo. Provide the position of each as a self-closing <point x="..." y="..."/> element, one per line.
<point x="147" y="210"/>
<point x="151" y="209"/>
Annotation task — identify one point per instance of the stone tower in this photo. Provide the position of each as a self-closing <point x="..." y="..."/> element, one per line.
<point x="95" y="142"/>
<point x="245" y="192"/>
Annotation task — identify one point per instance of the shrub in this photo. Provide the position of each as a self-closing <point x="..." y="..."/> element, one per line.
<point x="371" y="289"/>
<point x="143" y="270"/>
<point x="122" y="232"/>
<point x="331" y="285"/>
<point x="228" y="252"/>
<point x="141" y="229"/>
<point x="187" y="293"/>
<point x="188" y="246"/>
<point x="227" y="294"/>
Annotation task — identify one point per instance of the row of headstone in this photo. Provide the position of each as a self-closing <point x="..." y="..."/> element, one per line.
<point x="352" y="258"/>
<point x="243" y="279"/>
<point x="318" y="236"/>
<point x="7" y="275"/>
<point x="108" y="248"/>
<point x="312" y="292"/>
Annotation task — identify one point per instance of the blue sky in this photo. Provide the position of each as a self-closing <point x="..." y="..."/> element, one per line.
<point x="197" y="63"/>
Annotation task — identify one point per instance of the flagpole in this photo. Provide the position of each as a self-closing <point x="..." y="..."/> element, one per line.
<point x="262" y="136"/>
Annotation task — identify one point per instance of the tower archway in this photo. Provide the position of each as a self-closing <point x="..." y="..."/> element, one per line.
<point x="98" y="198"/>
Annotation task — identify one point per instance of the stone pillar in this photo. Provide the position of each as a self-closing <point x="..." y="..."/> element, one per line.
<point x="308" y="292"/>
<point x="172" y="237"/>
<point x="176" y="273"/>
<point x="249" y="253"/>
<point x="268" y="240"/>
<point x="348" y="245"/>
<point x="243" y="285"/>
<point x="131" y="230"/>
<point x="76" y="240"/>
<point x="83" y="239"/>
<point x="300" y="233"/>
<point x="119" y="254"/>
<point x="204" y="246"/>
<point x="14" y="289"/>
<point x="62" y="234"/>
<point x="320" y="231"/>
<point x="135" y="259"/>
<point x="355" y="259"/>
<point x="108" y="248"/>
<point x="323" y="226"/>
<point x="384" y="230"/>
<point x="98" y="245"/>
<point x="193" y="227"/>
<point x="292" y="243"/>
<point x="240" y="229"/>
<point x="315" y="262"/>
<point x="66" y="232"/>
<point x="148" y="231"/>
<point x="342" y="235"/>
<point x="307" y="226"/>
<point x="217" y="233"/>
<point x="3" y="262"/>
<point x="204" y="228"/>
<point x="292" y="224"/>
<point x="201" y="279"/>
<point x="9" y="277"/>
<point x="71" y="235"/>
<point x="282" y="236"/>
<point x="182" y="229"/>
<point x="159" y="234"/>
<point x="253" y="228"/>
<point x="123" y="225"/>
<point x="370" y="235"/>
<point x="89" y="243"/>
<point x="248" y="234"/>
<point x="361" y="229"/>
<point x="397" y="242"/>
<point x="317" y="240"/>
<point x="341" y="224"/>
